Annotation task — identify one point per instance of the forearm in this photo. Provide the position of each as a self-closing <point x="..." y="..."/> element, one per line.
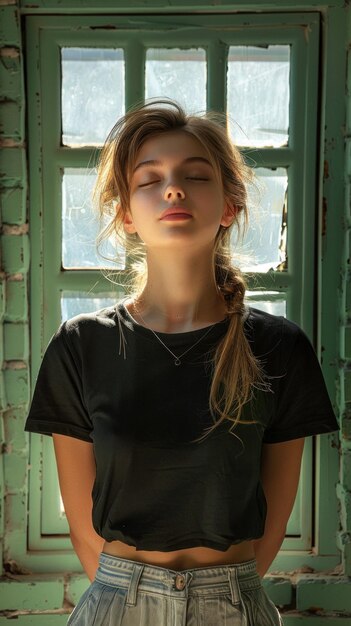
<point x="88" y="552"/>
<point x="266" y="549"/>
<point x="280" y="489"/>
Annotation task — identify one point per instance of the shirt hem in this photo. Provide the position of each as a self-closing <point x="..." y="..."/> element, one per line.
<point x="195" y="542"/>
<point x="47" y="428"/>
<point x="297" y="434"/>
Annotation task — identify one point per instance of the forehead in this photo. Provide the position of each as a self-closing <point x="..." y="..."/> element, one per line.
<point x="172" y="145"/>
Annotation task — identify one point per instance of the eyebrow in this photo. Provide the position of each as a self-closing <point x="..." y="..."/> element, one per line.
<point x="188" y="160"/>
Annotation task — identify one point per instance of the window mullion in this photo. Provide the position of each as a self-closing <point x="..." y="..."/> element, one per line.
<point x="217" y="55"/>
<point x="134" y="71"/>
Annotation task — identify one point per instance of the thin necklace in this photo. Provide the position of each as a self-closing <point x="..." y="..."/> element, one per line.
<point x="177" y="360"/>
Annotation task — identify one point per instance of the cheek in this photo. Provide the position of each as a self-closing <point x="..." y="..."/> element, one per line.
<point x="212" y="198"/>
<point x="143" y="196"/>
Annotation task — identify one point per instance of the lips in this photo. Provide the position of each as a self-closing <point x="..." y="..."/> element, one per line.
<point x="175" y="211"/>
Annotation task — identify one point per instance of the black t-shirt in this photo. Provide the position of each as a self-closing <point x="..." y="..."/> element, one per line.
<point x="107" y="380"/>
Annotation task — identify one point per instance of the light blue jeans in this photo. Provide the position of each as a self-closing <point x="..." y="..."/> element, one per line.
<point x="131" y="593"/>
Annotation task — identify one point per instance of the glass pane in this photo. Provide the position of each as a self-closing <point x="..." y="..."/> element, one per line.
<point x="177" y="74"/>
<point x="92" y="94"/>
<point x="80" y="225"/>
<point x="258" y="95"/>
<point x="264" y="246"/>
<point x="269" y="301"/>
<point x="74" y="303"/>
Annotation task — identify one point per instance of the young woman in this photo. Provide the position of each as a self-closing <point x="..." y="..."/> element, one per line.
<point x="179" y="414"/>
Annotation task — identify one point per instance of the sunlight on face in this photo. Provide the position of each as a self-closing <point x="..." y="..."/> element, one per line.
<point x="172" y="170"/>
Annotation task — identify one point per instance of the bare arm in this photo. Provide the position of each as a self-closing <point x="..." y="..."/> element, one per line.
<point x="280" y="472"/>
<point x="76" y="470"/>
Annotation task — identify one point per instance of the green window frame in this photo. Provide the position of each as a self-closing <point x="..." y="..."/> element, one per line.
<point x="310" y="533"/>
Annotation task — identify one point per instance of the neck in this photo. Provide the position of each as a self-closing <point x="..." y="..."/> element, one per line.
<point x="180" y="293"/>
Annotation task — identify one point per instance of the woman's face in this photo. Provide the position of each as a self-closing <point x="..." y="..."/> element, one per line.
<point x="172" y="170"/>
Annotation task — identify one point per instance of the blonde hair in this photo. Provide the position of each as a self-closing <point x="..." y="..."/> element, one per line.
<point x="236" y="371"/>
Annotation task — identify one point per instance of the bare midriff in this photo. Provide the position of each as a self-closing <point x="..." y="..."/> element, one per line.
<point x="183" y="559"/>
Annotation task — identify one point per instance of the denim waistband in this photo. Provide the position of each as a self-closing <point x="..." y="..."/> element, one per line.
<point x="136" y="575"/>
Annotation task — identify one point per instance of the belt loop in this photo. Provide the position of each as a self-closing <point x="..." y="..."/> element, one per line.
<point x="133" y="584"/>
<point x="234" y="585"/>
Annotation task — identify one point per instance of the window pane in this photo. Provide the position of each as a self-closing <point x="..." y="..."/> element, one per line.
<point x="177" y="74"/>
<point x="92" y="94"/>
<point x="74" y="303"/>
<point x="264" y="246"/>
<point x="80" y="225"/>
<point x="258" y="95"/>
<point x="269" y="301"/>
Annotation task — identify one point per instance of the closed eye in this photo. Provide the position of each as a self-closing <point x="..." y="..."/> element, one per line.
<point x="151" y="182"/>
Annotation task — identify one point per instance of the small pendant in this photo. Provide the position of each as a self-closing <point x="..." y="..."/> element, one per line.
<point x="177" y="361"/>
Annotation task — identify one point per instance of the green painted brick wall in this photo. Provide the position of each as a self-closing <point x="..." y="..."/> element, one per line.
<point x="35" y="619"/>
<point x="47" y="599"/>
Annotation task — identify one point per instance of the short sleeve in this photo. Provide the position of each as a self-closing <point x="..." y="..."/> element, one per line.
<point x="302" y="403"/>
<point x="58" y="404"/>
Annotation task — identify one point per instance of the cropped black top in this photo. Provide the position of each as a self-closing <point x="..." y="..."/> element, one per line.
<point x="107" y="380"/>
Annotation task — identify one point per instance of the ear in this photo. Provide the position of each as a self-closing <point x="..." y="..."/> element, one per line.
<point x="229" y="214"/>
<point x="128" y="223"/>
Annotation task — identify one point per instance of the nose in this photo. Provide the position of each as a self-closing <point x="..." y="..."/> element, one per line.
<point x="174" y="192"/>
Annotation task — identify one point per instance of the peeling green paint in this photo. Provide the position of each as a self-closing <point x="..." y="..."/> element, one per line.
<point x="9" y="25"/>
<point x="3" y="398"/>
<point x="15" y="251"/>
<point x="13" y="204"/>
<point x="328" y="594"/>
<point x="16" y="342"/>
<point x="12" y="167"/>
<point x="37" y="593"/>
<point x="34" y="620"/>
<point x="16" y="299"/>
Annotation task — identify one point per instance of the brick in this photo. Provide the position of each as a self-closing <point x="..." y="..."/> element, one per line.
<point x="16" y="514"/>
<point x="16" y="342"/>
<point x="3" y="397"/>
<point x="348" y="293"/>
<point x="15" y="543"/>
<point x="12" y="121"/>
<point x="2" y="353"/>
<point x="76" y="587"/>
<point x="2" y="513"/>
<point x="17" y="386"/>
<point x="344" y="497"/>
<point x="347" y="379"/>
<point x="328" y="594"/>
<point x="300" y="619"/>
<point x="47" y="619"/>
<point x="12" y="167"/>
<point x="10" y="31"/>
<point x="345" y="474"/>
<point x="343" y="543"/>
<point x="346" y="424"/>
<point x="40" y="592"/>
<point x="15" y="253"/>
<point x="16" y="300"/>
<point x="348" y="153"/>
<point x="11" y="78"/>
<point x="15" y="467"/>
<point x="279" y="589"/>
<point x="2" y="436"/>
<point x="13" y="204"/>
<point x="14" y="433"/>
<point x="347" y="342"/>
<point x="2" y="299"/>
